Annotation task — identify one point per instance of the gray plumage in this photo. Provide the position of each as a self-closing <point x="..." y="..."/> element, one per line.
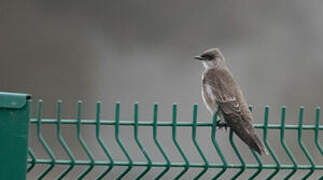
<point x="220" y="92"/>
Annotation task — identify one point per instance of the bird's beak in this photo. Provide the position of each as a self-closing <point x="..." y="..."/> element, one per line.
<point x="199" y="58"/>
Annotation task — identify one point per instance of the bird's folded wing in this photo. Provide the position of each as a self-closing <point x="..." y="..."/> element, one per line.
<point x="224" y="88"/>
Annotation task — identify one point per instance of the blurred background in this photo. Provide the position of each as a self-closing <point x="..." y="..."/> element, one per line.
<point x="143" y="51"/>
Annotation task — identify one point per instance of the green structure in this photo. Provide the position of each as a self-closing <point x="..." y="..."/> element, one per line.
<point x="14" y="120"/>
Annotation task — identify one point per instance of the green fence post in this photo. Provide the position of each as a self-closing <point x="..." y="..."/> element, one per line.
<point x="14" y="121"/>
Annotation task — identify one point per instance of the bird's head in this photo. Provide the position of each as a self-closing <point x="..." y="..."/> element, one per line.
<point x="211" y="57"/>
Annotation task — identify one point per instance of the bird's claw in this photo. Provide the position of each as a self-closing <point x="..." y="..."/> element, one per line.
<point x="221" y="124"/>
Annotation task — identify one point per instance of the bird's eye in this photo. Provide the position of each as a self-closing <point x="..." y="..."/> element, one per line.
<point x="208" y="56"/>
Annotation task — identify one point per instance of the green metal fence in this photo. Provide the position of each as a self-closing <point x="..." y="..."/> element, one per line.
<point x="167" y="164"/>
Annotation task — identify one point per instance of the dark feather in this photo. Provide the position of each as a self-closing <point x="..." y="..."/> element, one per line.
<point x="233" y="106"/>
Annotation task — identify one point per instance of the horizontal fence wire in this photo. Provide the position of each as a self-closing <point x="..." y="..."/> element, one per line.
<point x="167" y="164"/>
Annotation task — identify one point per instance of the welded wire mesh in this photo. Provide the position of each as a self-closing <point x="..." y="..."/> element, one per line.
<point x="205" y="165"/>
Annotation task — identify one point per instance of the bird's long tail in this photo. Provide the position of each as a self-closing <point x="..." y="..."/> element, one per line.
<point x="249" y="136"/>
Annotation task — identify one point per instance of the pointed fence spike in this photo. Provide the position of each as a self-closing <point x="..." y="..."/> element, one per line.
<point x="179" y="149"/>
<point x="161" y="150"/>
<point x="271" y="152"/>
<point x="260" y="165"/>
<point x="43" y="142"/>
<point x="82" y="142"/>
<point x="125" y="152"/>
<point x="301" y="144"/>
<point x="62" y="141"/>
<point x="197" y="146"/>
<point x="142" y="149"/>
<point x="284" y="144"/>
<point x="99" y="139"/>
<point x="217" y="148"/>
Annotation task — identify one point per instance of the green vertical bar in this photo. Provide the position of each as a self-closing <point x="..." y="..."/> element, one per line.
<point x="62" y="141"/>
<point x="43" y="141"/>
<point x="301" y="144"/>
<point x="174" y="114"/>
<point x="162" y="173"/>
<point x="197" y="146"/>
<point x="284" y="145"/>
<point x="271" y="152"/>
<point x="217" y="148"/>
<point x="177" y="145"/>
<point x="142" y="149"/>
<point x="316" y="134"/>
<point x="82" y="142"/>
<point x="98" y="137"/>
<point x="260" y="166"/>
<point x="14" y="121"/>
<point x="243" y="164"/>
<point x="30" y="151"/>
<point x="125" y="152"/>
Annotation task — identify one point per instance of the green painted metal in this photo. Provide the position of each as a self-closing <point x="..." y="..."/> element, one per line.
<point x="81" y="140"/>
<point x="14" y="117"/>
<point x="43" y="142"/>
<point x="236" y="151"/>
<point x="117" y="117"/>
<point x="141" y="147"/>
<point x="284" y="145"/>
<point x="260" y="166"/>
<point x="13" y="100"/>
<point x="177" y="145"/>
<point x="167" y="167"/>
<point x="317" y="125"/>
<point x="176" y="164"/>
<point x="185" y="164"/>
<point x="99" y="139"/>
<point x="33" y="160"/>
<point x="217" y="147"/>
<point x="301" y="144"/>
<point x="205" y="164"/>
<point x="271" y="152"/>
<point x="62" y="141"/>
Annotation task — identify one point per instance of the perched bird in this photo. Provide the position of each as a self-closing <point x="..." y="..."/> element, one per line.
<point x="222" y="94"/>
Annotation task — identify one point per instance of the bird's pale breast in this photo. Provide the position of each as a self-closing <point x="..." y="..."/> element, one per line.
<point x="208" y="97"/>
